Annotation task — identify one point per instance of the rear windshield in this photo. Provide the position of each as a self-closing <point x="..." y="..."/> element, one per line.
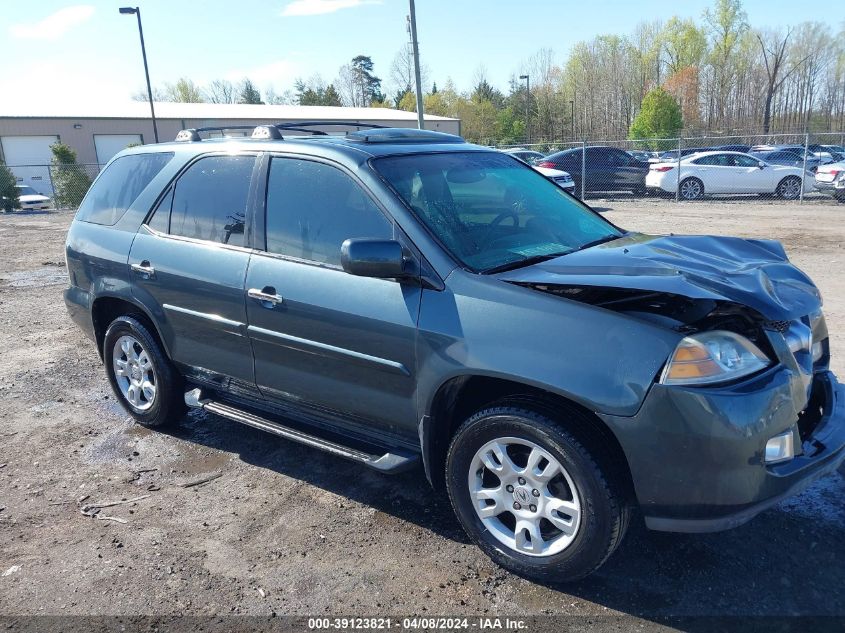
<point x="117" y="187"/>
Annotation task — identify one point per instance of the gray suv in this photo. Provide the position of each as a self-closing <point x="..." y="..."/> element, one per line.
<point x="398" y="297"/>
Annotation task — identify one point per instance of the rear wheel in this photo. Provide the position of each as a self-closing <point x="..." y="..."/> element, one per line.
<point x="789" y="188"/>
<point x="691" y="189"/>
<point x="532" y="496"/>
<point x="141" y="376"/>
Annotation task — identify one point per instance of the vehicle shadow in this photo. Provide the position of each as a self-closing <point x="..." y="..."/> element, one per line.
<point x="778" y="564"/>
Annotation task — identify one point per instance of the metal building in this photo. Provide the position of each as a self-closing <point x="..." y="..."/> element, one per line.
<point x="97" y="134"/>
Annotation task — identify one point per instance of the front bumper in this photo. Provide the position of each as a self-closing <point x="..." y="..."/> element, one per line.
<point x="697" y="455"/>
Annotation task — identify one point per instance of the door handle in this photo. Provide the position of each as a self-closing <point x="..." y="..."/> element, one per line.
<point x="265" y="295"/>
<point x="144" y="269"/>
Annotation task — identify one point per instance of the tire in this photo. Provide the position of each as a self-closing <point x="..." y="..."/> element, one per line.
<point x="789" y="188"/>
<point x="594" y="508"/>
<point x="691" y="189"/>
<point x="150" y="387"/>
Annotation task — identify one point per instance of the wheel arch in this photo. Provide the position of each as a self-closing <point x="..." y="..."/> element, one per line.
<point x="458" y="397"/>
<point x="106" y="308"/>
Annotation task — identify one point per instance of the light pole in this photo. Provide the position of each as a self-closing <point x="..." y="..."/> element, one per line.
<point x="137" y="12"/>
<point x="416" y="51"/>
<point x="527" y="107"/>
<point x="572" y="117"/>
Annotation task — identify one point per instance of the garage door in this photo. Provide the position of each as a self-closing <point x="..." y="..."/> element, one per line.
<point x="110" y="144"/>
<point x="28" y="156"/>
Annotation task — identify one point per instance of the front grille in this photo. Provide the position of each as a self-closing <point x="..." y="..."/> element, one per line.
<point x="777" y="326"/>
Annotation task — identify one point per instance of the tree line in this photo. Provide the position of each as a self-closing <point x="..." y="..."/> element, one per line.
<point x="727" y="78"/>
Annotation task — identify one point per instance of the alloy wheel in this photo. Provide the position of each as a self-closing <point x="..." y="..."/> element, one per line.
<point x="134" y="372"/>
<point x="790" y="188"/>
<point x="524" y="497"/>
<point x="690" y="189"/>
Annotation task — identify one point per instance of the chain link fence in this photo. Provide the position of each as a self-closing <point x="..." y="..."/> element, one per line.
<point x="63" y="185"/>
<point x="772" y="166"/>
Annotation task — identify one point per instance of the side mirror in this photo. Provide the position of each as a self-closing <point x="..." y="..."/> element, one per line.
<point x="382" y="259"/>
<point x="761" y="165"/>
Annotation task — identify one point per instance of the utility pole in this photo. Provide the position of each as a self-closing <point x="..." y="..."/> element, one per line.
<point x="416" y="50"/>
<point x="527" y="107"/>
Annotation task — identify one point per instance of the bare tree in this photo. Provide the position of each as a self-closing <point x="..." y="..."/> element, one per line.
<point x="221" y="91"/>
<point x="774" y="56"/>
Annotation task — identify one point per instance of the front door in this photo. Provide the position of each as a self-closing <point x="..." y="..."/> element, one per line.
<point x="188" y="264"/>
<point x="323" y="340"/>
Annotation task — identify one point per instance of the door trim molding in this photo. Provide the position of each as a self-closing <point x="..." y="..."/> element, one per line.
<point x="324" y="349"/>
<point x="216" y="318"/>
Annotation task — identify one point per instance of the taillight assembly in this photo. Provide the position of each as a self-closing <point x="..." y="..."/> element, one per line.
<point x="662" y="167"/>
<point x="546" y="164"/>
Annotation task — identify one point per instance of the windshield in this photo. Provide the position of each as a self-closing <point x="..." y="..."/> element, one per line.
<point x="26" y="190"/>
<point x="491" y="211"/>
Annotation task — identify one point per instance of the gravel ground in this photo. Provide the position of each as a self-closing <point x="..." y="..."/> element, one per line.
<point x="288" y="530"/>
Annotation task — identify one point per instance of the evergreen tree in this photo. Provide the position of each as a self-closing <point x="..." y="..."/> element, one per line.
<point x="70" y="180"/>
<point x="8" y="188"/>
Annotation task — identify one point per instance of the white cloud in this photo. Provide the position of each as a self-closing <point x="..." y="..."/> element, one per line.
<point x="319" y="7"/>
<point x="54" y="25"/>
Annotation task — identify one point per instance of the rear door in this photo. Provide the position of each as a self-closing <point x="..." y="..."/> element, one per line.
<point x="628" y="173"/>
<point x="188" y="264"/>
<point x="330" y="343"/>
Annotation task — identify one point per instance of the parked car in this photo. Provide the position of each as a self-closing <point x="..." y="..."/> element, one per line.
<point x="398" y="296"/>
<point x="608" y="169"/>
<point x="789" y="157"/>
<point x="798" y="150"/>
<point x="526" y="155"/>
<point x="727" y="173"/>
<point x="640" y="155"/>
<point x="672" y="155"/>
<point x="29" y="199"/>
<point x="560" y="178"/>
<point x="731" y="148"/>
<point x="830" y="179"/>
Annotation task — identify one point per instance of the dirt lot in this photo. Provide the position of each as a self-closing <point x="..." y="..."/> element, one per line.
<point x="289" y="530"/>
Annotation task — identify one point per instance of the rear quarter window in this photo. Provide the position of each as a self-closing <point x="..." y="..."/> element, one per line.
<point x="119" y="185"/>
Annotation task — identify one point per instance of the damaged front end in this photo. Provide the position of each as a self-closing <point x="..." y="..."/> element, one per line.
<point x="695" y="284"/>
<point x="745" y="410"/>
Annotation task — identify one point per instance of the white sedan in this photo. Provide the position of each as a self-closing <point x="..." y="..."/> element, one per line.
<point x="727" y="173"/>
<point x="29" y="199"/>
<point x="561" y="178"/>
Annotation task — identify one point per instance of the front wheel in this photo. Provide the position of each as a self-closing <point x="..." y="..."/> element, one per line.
<point x="140" y="374"/>
<point x="532" y="496"/>
<point x="789" y="188"/>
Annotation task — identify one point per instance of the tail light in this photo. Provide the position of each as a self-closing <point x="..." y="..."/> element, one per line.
<point x="662" y="167"/>
<point x="547" y="164"/>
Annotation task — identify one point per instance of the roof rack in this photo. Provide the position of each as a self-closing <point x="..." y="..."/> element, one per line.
<point x="272" y="130"/>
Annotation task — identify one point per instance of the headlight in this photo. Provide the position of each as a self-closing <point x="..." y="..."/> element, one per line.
<point x="711" y="357"/>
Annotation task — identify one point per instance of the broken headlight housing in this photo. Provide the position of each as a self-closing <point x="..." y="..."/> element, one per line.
<point x="712" y="357"/>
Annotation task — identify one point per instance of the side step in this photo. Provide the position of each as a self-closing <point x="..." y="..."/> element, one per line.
<point x="390" y="462"/>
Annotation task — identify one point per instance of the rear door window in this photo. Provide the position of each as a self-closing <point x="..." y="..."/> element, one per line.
<point x="119" y="185"/>
<point x="210" y="199"/>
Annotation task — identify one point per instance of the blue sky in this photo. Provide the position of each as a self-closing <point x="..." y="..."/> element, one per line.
<point x="88" y="52"/>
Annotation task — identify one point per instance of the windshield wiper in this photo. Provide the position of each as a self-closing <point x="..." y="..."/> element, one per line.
<point x="601" y="240"/>
<point x="520" y="263"/>
<point x="536" y="259"/>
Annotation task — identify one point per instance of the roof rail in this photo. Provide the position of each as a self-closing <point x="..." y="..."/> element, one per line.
<point x="271" y="130"/>
<point x="193" y="133"/>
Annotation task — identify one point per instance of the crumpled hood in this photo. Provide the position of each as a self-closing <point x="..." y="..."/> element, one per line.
<point x="755" y="273"/>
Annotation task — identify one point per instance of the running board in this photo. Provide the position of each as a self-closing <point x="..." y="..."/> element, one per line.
<point x="389" y="462"/>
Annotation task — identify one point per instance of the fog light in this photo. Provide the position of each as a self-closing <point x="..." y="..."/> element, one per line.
<point x="780" y="448"/>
